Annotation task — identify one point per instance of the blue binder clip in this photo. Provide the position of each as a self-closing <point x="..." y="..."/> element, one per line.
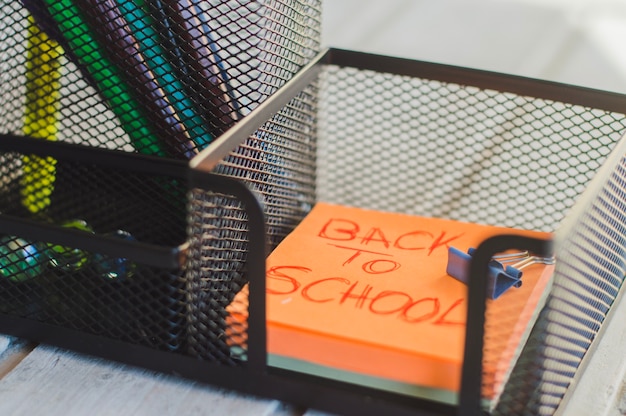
<point x="501" y="278"/>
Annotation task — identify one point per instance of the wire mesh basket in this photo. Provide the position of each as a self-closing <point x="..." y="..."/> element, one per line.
<point x="464" y="145"/>
<point x="138" y="198"/>
<point x="432" y="140"/>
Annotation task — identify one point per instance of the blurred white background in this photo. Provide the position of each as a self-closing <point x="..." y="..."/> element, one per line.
<point x="580" y="42"/>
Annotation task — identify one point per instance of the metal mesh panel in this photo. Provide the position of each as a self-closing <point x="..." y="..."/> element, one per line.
<point x="425" y="147"/>
<point x="278" y="162"/>
<point x="279" y="159"/>
<point x="85" y="290"/>
<point x="589" y="275"/>
<point x="216" y="272"/>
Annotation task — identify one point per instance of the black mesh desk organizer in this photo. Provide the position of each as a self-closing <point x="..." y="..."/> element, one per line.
<point x="134" y="257"/>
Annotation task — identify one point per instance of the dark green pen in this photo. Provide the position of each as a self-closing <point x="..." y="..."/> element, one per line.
<point x="79" y="37"/>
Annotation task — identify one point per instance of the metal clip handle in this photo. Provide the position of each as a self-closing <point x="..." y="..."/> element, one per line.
<point x="500" y="277"/>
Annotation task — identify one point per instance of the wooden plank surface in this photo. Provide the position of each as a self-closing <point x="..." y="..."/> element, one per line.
<point x="48" y="380"/>
<point x="12" y="352"/>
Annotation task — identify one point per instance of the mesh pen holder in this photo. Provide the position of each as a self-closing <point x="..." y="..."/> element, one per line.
<point x="166" y="78"/>
<point x="162" y="79"/>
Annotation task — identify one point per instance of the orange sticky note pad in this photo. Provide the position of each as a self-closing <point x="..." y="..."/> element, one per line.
<point x="367" y="292"/>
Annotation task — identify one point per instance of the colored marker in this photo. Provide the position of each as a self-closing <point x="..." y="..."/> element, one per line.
<point x="41" y="115"/>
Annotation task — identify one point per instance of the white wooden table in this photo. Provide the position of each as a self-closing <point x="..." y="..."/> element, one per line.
<point x="45" y="380"/>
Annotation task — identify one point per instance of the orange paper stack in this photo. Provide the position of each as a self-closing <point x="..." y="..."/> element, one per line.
<point x="367" y="292"/>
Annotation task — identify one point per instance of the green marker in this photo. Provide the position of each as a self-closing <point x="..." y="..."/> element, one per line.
<point x="109" y="82"/>
<point x="41" y="113"/>
<point x="150" y="44"/>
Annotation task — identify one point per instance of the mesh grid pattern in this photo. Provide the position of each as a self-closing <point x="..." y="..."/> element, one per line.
<point x="278" y="162"/>
<point x="418" y="146"/>
<point x="279" y="159"/>
<point x="216" y="272"/>
<point x="106" y="199"/>
<point x="88" y="291"/>
<point x="587" y="280"/>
